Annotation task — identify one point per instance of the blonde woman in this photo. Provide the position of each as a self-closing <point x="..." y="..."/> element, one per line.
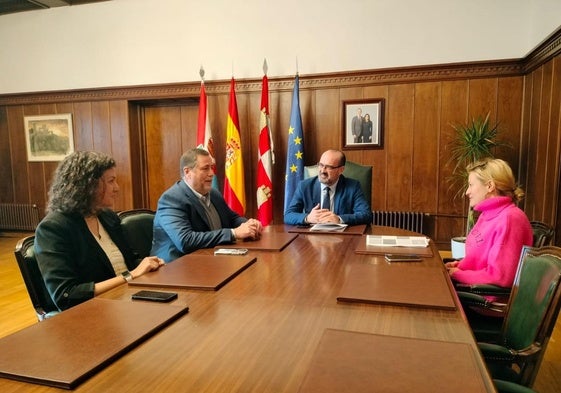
<point x="494" y="244"/>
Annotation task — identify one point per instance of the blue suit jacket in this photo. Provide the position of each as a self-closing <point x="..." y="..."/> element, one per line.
<point x="181" y="225"/>
<point x="349" y="203"/>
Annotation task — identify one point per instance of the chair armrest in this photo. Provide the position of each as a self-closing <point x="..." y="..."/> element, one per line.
<point x="511" y="387"/>
<point x="469" y="299"/>
<point x="499" y="354"/>
<point x="483" y="289"/>
<point x="496" y="353"/>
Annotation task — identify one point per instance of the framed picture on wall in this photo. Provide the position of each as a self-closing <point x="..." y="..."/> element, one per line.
<point x="363" y="124"/>
<point x="48" y="137"/>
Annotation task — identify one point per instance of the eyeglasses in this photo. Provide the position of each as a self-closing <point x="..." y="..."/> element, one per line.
<point x="476" y="165"/>
<point x="328" y="167"/>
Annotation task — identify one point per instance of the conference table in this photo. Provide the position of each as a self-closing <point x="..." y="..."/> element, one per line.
<point x="260" y="332"/>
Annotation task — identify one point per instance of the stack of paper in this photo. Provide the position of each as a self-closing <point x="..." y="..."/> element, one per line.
<point x="397" y="241"/>
<point x="328" y="227"/>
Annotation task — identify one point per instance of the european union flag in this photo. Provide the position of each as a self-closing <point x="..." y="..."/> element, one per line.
<point x="295" y="149"/>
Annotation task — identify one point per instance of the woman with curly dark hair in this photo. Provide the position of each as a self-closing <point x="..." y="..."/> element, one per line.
<point x="79" y="245"/>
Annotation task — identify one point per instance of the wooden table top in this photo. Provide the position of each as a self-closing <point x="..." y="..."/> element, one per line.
<point x="259" y="332"/>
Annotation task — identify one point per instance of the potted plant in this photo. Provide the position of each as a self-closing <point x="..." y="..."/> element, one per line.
<point x="472" y="142"/>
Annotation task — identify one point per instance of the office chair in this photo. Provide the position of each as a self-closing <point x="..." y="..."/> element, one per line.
<point x="137" y="226"/>
<point x="522" y="337"/>
<point x="543" y="233"/>
<point x="485" y="306"/>
<point x="38" y="293"/>
<point x="362" y="173"/>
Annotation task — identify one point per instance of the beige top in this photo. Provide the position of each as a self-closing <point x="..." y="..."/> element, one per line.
<point x="113" y="253"/>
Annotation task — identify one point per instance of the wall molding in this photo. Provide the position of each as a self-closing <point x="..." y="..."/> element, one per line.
<point x="315" y="81"/>
<point x="550" y="48"/>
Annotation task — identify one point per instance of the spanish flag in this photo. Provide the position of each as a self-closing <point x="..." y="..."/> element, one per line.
<point x="234" y="192"/>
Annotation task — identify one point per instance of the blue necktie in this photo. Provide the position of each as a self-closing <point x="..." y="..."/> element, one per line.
<point x="326" y="202"/>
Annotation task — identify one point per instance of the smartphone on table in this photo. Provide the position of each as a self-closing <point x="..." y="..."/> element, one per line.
<point x="154" y="296"/>
<point x="403" y="258"/>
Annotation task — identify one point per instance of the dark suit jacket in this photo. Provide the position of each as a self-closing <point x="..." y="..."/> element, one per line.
<point x="349" y="203"/>
<point x="70" y="258"/>
<point x="356" y="127"/>
<point x="181" y="225"/>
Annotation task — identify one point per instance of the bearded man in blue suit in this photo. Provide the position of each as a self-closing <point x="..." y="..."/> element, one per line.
<point x="192" y="215"/>
<point x="329" y="196"/>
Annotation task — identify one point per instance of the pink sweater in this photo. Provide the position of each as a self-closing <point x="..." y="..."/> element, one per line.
<point x="494" y="244"/>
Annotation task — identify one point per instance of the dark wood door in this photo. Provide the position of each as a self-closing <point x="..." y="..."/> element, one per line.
<point x="170" y="130"/>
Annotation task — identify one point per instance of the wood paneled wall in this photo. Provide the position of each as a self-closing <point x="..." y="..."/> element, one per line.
<point x="541" y="144"/>
<point x="410" y="171"/>
<point x="98" y="125"/>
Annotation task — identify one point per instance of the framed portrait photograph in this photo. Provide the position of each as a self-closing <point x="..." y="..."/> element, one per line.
<point x="363" y="124"/>
<point x="48" y="137"/>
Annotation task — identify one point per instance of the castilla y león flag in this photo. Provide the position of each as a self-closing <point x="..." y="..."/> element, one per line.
<point x="265" y="162"/>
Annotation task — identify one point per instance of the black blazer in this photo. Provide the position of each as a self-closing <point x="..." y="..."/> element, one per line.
<point x="70" y="258"/>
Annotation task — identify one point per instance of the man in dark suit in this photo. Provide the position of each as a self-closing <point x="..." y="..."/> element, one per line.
<point x="329" y="197"/>
<point x="356" y="126"/>
<point x="192" y="215"/>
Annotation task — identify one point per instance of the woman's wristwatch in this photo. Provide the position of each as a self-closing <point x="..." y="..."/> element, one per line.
<point x="127" y="276"/>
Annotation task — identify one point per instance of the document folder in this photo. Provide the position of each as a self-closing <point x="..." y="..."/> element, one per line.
<point x="194" y="271"/>
<point x="68" y="348"/>
<point x="414" y="286"/>
<point x="346" y="361"/>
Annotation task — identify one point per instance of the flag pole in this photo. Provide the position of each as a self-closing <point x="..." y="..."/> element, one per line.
<point x="204" y="133"/>
<point x="272" y="147"/>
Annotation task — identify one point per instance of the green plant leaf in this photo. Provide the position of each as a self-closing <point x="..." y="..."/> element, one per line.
<point x="473" y="141"/>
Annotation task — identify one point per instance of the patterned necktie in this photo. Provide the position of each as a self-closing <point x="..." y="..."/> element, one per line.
<point x="326" y="202"/>
<point x="205" y="200"/>
<point x="211" y="213"/>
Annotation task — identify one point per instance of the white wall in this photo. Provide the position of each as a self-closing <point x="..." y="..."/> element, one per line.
<point x="135" y="42"/>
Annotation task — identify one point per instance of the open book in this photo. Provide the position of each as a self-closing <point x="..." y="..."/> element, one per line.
<point x="397" y="241"/>
<point x="328" y="227"/>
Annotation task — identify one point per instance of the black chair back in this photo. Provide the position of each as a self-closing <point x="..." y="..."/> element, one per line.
<point x="40" y="297"/>
<point x="138" y="225"/>
<point x="543" y="234"/>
